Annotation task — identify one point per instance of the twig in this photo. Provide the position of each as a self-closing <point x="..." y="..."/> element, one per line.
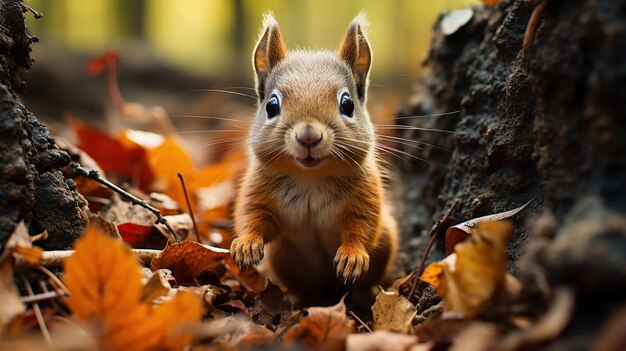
<point x="49" y="295"/>
<point x="353" y="315"/>
<point x="35" y="13"/>
<point x="58" y="284"/>
<point x="45" y="289"/>
<point x="193" y="219"/>
<point x="38" y="315"/>
<point x="435" y="233"/>
<point x="93" y="175"/>
<point x="58" y="258"/>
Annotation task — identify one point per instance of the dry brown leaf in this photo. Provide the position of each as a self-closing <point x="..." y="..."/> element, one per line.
<point x="11" y="309"/>
<point x="475" y="274"/>
<point x="157" y="286"/>
<point x="380" y="341"/>
<point x="478" y="336"/>
<point x="182" y="224"/>
<point x="392" y="312"/>
<point x="325" y="328"/>
<point x="461" y="231"/>
<point x="187" y="260"/>
<point x="104" y="280"/>
<point x="548" y="327"/>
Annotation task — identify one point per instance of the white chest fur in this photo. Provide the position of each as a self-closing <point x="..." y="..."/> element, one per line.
<point x="310" y="210"/>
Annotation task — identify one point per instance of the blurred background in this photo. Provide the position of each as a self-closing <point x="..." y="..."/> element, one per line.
<point x="167" y="49"/>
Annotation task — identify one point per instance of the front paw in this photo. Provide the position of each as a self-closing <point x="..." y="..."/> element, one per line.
<point x="351" y="262"/>
<point x="247" y="250"/>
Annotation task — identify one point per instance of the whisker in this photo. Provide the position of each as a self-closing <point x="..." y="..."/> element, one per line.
<point x="224" y="91"/>
<point x="245" y="88"/>
<point x="206" y="131"/>
<point x="431" y="115"/>
<point x="407" y="142"/>
<point x="391" y="149"/>
<point x="402" y="127"/>
<point x="207" y="117"/>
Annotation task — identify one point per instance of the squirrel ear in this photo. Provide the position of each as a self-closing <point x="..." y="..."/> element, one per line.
<point x="355" y="51"/>
<point x="270" y="50"/>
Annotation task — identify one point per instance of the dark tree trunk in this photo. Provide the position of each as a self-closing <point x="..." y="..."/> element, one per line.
<point x="32" y="188"/>
<point x="549" y="124"/>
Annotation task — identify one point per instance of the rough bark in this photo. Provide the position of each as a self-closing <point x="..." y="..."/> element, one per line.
<point x="548" y="124"/>
<point x="32" y="188"/>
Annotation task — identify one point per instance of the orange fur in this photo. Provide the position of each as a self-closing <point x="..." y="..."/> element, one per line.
<point x="327" y="226"/>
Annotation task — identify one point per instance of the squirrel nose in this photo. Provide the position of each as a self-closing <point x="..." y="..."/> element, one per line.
<point x="309" y="139"/>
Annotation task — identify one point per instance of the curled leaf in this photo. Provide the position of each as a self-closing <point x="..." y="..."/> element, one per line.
<point x="325" y="328"/>
<point x="461" y="231"/>
<point x="187" y="260"/>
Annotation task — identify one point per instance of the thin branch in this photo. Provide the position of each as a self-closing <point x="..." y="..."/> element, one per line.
<point x="49" y="295"/>
<point x="93" y="175"/>
<point x="58" y="258"/>
<point x="435" y="234"/>
<point x="353" y="315"/>
<point x="193" y="219"/>
<point x="38" y="315"/>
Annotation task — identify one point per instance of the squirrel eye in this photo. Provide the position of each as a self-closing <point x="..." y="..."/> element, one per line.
<point x="346" y="105"/>
<point x="272" y="106"/>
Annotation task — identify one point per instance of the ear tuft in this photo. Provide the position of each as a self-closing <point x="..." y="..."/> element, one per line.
<point x="270" y="50"/>
<point x="355" y="51"/>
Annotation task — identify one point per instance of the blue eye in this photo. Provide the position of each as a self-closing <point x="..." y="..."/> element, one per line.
<point x="346" y="105"/>
<point x="272" y="106"/>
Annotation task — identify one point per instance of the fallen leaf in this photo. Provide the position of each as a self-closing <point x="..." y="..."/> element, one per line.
<point x="187" y="260"/>
<point x="234" y="306"/>
<point x="380" y="341"/>
<point x="491" y="2"/>
<point x="117" y="156"/>
<point x="461" y="231"/>
<point x="11" y="309"/>
<point x="20" y="242"/>
<point x="478" y="336"/>
<point x="157" y="286"/>
<point x="96" y="65"/>
<point x="32" y="255"/>
<point x="454" y="20"/>
<point x="237" y="333"/>
<point x="325" y="328"/>
<point x="392" y="312"/>
<point x="273" y="298"/>
<point x="548" y="327"/>
<point x="103" y="278"/>
<point x="182" y="224"/>
<point x="476" y="273"/>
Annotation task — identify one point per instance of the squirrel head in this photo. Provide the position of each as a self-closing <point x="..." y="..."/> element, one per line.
<point x="311" y="114"/>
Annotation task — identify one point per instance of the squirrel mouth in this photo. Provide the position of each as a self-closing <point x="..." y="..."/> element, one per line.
<point x="309" y="161"/>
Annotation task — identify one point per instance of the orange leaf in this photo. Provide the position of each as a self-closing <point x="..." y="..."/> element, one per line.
<point x="491" y="2"/>
<point x="96" y="65"/>
<point x="187" y="260"/>
<point x="325" y="328"/>
<point x="31" y="254"/>
<point x="121" y="156"/>
<point x="104" y="280"/>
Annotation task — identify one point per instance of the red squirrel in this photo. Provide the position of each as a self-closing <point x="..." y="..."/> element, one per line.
<point x="312" y="203"/>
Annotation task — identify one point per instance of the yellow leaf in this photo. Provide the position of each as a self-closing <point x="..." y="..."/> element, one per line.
<point x="474" y="275"/>
<point x="392" y="312"/>
<point x="104" y="280"/>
